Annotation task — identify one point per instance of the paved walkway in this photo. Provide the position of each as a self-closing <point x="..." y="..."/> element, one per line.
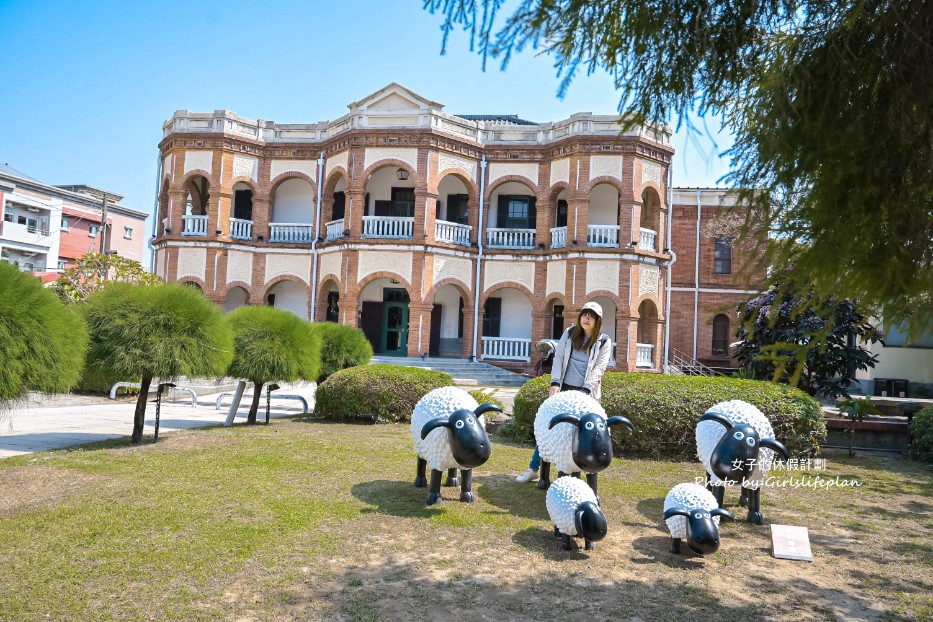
<point x="57" y="421"/>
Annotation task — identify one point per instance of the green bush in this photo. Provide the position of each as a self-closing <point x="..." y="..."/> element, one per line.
<point x="389" y="392"/>
<point x="482" y="397"/>
<point x="921" y="428"/>
<point x="665" y="410"/>
<point x="341" y="347"/>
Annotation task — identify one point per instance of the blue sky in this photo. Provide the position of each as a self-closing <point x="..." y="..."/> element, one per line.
<point x="87" y="86"/>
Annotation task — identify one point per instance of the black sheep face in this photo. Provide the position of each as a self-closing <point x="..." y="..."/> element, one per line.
<point x="468" y="440"/>
<point x="590" y="522"/>
<point x="702" y="531"/>
<point x="736" y="454"/>
<point x="592" y="442"/>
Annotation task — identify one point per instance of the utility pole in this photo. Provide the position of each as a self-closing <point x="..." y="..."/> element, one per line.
<point x="103" y="226"/>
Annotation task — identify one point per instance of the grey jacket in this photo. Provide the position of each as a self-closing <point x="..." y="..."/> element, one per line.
<point x="595" y="366"/>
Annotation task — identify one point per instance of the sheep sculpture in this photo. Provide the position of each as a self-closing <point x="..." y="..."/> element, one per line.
<point x="692" y="512"/>
<point x="572" y="432"/>
<point x="736" y="444"/>
<point x="463" y="444"/>
<point x="575" y="512"/>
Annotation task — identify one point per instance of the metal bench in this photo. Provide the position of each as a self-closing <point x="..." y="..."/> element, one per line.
<point x="284" y="396"/>
<point x="135" y="385"/>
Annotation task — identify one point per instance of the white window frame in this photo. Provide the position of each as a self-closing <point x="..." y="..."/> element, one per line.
<point x="92" y="231"/>
<point x="128" y="233"/>
<point x="65" y="224"/>
<point x="8" y="213"/>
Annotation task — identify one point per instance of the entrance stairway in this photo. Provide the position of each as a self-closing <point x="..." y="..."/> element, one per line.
<point x="463" y="371"/>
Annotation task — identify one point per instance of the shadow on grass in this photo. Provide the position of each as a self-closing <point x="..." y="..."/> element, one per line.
<point x="522" y="500"/>
<point x="544" y="542"/>
<point x="398" y="498"/>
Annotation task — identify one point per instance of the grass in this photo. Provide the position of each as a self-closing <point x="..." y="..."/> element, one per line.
<point x="301" y="520"/>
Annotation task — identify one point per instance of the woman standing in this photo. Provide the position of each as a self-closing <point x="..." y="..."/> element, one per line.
<point x="580" y="360"/>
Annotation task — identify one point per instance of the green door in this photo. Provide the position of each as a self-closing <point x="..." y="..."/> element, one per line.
<point x="395" y="329"/>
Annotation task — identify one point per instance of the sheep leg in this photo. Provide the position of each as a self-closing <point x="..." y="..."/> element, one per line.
<point x="575" y="474"/>
<point x="567" y="542"/>
<point x="675" y="546"/>
<point x="709" y="484"/>
<point x="545" y="481"/>
<point x="434" y="494"/>
<point x="557" y="533"/>
<point x="754" y="507"/>
<point x="589" y="545"/>
<point x="452" y="478"/>
<point x="593" y="480"/>
<point x="466" y="489"/>
<point x="719" y="492"/>
<point x="421" y="480"/>
<point x="743" y="498"/>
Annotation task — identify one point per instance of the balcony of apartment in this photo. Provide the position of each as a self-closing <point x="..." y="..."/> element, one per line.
<point x="512" y="223"/>
<point x="194" y="225"/>
<point x="507" y="326"/>
<point x="648" y="240"/>
<point x="644" y="355"/>
<point x="292" y="213"/>
<point x="399" y="224"/>
<point x="452" y="232"/>
<point x="32" y="231"/>
<point x="604" y="236"/>
<point x="602" y="229"/>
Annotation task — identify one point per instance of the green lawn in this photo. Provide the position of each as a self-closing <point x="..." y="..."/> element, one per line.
<point x="303" y="520"/>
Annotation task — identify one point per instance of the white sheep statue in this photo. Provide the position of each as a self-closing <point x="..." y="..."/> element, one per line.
<point x="464" y="444"/>
<point x="692" y="512"/>
<point x="735" y="443"/>
<point x="572" y="432"/>
<point x="575" y="512"/>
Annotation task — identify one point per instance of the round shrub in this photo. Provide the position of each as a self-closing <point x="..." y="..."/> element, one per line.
<point x="389" y="392"/>
<point x="665" y="410"/>
<point x="921" y="428"/>
<point x="341" y="347"/>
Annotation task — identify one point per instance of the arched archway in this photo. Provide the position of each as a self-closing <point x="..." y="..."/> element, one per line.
<point x="292" y="216"/>
<point x="720" y="345"/>
<point x="603" y="214"/>
<point x="512" y="216"/>
<point x="647" y="334"/>
<point x="335" y="207"/>
<point x="453" y="212"/>
<point x="236" y="298"/>
<point x="389" y="204"/>
<point x="557" y="217"/>
<point x="197" y="201"/>
<point x="507" y="325"/>
<point x="650" y="220"/>
<point x="384" y="315"/>
<point x="290" y="296"/>
<point x="449" y="327"/>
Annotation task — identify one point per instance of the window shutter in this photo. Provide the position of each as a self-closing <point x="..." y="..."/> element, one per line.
<point x="532" y="213"/>
<point x="502" y="217"/>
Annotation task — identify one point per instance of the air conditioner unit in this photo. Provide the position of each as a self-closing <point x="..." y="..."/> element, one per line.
<point x="32" y="209"/>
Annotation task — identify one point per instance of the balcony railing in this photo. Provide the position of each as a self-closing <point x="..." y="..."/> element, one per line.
<point x="603" y="235"/>
<point x="194" y="225"/>
<point x="290" y="232"/>
<point x="507" y="348"/>
<point x="510" y="238"/>
<point x="559" y="237"/>
<point x="643" y="355"/>
<point x="452" y="233"/>
<point x="401" y="227"/>
<point x="648" y="240"/>
<point x="335" y="229"/>
<point x="241" y="229"/>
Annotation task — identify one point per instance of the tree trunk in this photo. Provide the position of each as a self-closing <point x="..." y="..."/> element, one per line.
<point x="139" y="418"/>
<point x="254" y="407"/>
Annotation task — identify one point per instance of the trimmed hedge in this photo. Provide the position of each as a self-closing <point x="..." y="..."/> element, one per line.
<point x="389" y="392"/>
<point x="341" y="347"/>
<point x="921" y="428"/>
<point x="665" y="410"/>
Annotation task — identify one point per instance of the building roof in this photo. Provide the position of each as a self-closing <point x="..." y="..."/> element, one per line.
<point x="6" y="169"/>
<point x="497" y="119"/>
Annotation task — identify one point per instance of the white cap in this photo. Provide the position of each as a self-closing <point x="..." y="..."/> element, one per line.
<point x="595" y="307"/>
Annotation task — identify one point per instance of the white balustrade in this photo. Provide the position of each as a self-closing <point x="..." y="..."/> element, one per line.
<point x="559" y="237"/>
<point x="335" y="229"/>
<point x="603" y="235"/>
<point x="643" y="355"/>
<point x="402" y="227"/>
<point x="451" y="232"/>
<point x="507" y="348"/>
<point x="290" y="232"/>
<point x="241" y="229"/>
<point x="194" y="225"/>
<point x="510" y="238"/>
<point x="647" y="240"/>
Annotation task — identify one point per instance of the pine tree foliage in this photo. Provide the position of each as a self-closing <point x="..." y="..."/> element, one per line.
<point x="830" y="104"/>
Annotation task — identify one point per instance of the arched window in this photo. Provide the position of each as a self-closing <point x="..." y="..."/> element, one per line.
<point x="720" y="335"/>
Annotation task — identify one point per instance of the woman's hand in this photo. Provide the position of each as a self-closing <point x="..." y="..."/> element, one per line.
<point x="553" y="391"/>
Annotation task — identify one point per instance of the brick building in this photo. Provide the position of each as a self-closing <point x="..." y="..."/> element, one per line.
<point x="46" y="228"/>
<point x="454" y="235"/>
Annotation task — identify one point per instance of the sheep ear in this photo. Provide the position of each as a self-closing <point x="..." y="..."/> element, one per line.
<point x="775" y="445"/>
<point x="564" y="418"/>
<point x="430" y="426"/>
<point x="723" y="512"/>
<point x="715" y="416"/>
<point x="675" y="512"/>
<point x="617" y="420"/>
<point x="485" y="408"/>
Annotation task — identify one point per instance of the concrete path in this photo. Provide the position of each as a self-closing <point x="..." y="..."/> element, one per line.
<point x="55" y="421"/>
